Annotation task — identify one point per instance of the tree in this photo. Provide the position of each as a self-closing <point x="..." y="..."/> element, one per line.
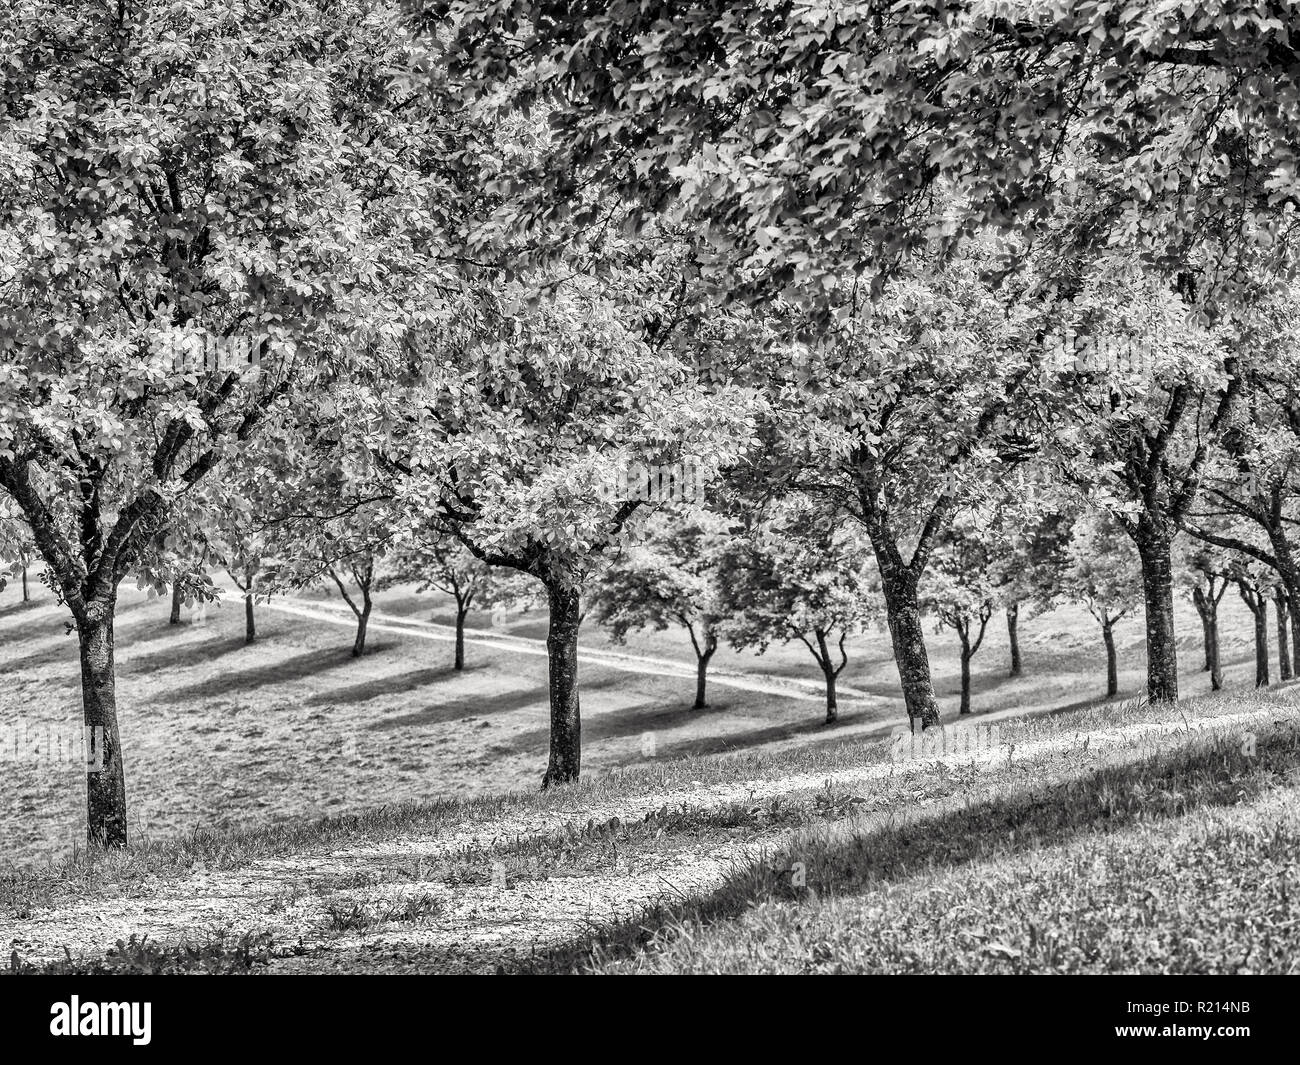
<point x="672" y="577"/>
<point x="806" y="140"/>
<point x="199" y="208"/>
<point x="438" y="560"/>
<point x="1252" y="581"/>
<point x="960" y="593"/>
<point x="1104" y="573"/>
<point x="519" y="432"/>
<point x="1206" y="577"/>
<point x="797" y="576"/>
<point x="1145" y="403"/>
<point x="911" y="407"/>
<point x="1032" y="524"/>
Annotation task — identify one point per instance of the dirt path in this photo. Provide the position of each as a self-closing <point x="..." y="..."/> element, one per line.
<point x="789" y="687"/>
<point x="478" y="926"/>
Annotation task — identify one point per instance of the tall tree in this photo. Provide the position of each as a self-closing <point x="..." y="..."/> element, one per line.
<point x="199" y="207"/>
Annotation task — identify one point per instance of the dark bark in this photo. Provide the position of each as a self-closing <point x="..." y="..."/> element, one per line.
<point x="175" y="618"/>
<point x="461" y="612"/>
<point x="363" y="619"/>
<point x="830" y="673"/>
<point x="965" y="676"/>
<point x="1154" y="549"/>
<point x="26" y="595"/>
<point x="250" y="623"/>
<point x="1112" y="661"/>
<point x="1283" y="645"/>
<point x="1257" y="601"/>
<point x="1202" y="603"/>
<point x="908" y="638"/>
<point x="1295" y="630"/>
<point x="702" y="658"/>
<point x="1207" y="606"/>
<point x="562" y="662"/>
<point x="1013" y="635"/>
<point x="105" y="781"/>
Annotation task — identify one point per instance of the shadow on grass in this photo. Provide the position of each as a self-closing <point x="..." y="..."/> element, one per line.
<point x="1211" y="772"/>
<point x="397" y="684"/>
<point x="297" y="668"/>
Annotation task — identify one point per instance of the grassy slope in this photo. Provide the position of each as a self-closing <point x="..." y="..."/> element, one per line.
<point x="219" y="735"/>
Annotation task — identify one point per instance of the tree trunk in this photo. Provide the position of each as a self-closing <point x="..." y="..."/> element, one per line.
<point x="908" y="638"/>
<point x="459" y="662"/>
<point x="1283" y="646"/>
<point x="175" y="618"/>
<point x="363" y="619"/>
<point x="250" y="625"/>
<point x="1158" y="594"/>
<point x="965" y="674"/>
<point x="1212" y="652"/>
<point x="1112" y="662"/>
<point x="702" y="669"/>
<point x="1295" y="631"/>
<point x="26" y="596"/>
<point x="1013" y="635"/>
<point x="1203" y="608"/>
<point x="562" y="662"/>
<point x="105" y="780"/>
<point x="1261" y="641"/>
<point x="829" y="672"/>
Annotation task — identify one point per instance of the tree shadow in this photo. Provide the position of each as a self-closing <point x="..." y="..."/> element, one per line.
<point x="297" y="668"/>
<point x="396" y="684"/>
<point x="1153" y="788"/>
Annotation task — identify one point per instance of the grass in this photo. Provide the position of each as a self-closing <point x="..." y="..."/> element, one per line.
<point x="114" y="874"/>
<point x="218" y="956"/>
<point x="1179" y="861"/>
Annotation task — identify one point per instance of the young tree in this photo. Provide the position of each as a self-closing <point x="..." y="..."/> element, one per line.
<point x="673" y="577"/>
<point x="1104" y="573"/>
<point x="438" y="560"/>
<point x="960" y="592"/>
<point x="1206" y="577"/>
<point x="797" y="576"/>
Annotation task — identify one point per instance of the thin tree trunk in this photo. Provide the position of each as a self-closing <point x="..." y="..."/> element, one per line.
<point x="1202" y="604"/>
<point x="26" y="596"/>
<point x="363" y="619"/>
<point x="965" y="674"/>
<point x="105" y="779"/>
<point x="702" y="669"/>
<point x="908" y="638"/>
<point x="562" y="662"/>
<point x="1283" y="645"/>
<point x="1013" y="635"/>
<point x="1158" y="595"/>
<point x="250" y="624"/>
<point x="1261" y="642"/>
<point x="175" y="618"/>
<point x="1112" y="661"/>
<point x="828" y="671"/>
<point x="461" y="611"/>
<point x="1212" y="651"/>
